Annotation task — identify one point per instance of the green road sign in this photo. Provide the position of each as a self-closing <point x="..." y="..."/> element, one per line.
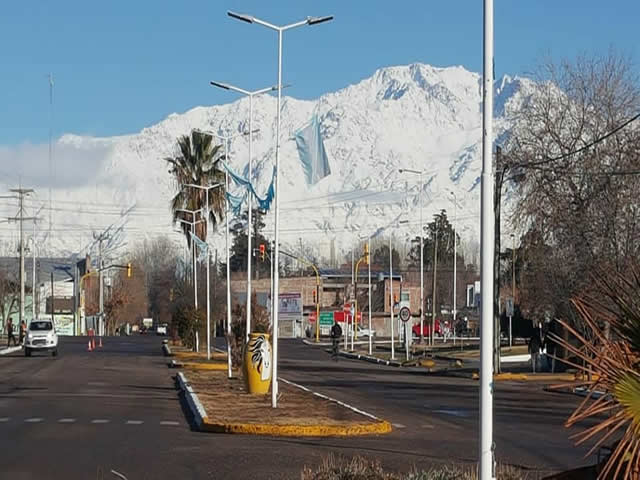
<point x="326" y="319"/>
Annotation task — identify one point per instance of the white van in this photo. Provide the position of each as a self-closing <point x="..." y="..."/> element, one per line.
<point x="41" y="337"/>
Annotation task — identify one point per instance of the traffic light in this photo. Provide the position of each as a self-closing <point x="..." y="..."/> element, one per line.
<point x="314" y="295"/>
<point x="129" y="270"/>
<point x="366" y="252"/>
<point x="262" y="251"/>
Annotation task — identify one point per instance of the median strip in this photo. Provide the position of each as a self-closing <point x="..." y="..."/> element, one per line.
<point x="221" y="406"/>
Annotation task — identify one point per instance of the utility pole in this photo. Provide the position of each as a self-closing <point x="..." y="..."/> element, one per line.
<point x="433" y="289"/>
<point x="22" y="192"/>
<point x="513" y="286"/>
<point x="100" y="238"/>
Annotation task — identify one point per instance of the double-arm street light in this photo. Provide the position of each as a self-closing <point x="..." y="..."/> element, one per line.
<point x="226" y="139"/>
<point x="193" y="224"/>
<point x="249" y="94"/>
<point x="206" y="219"/>
<point x="420" y="172"/>
<point x="280" y="30"/>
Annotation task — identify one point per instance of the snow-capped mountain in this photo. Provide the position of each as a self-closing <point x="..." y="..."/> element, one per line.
<point x="417" y="117"/>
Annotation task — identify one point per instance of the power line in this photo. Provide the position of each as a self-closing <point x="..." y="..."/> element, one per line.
<point x="581" y="149"/>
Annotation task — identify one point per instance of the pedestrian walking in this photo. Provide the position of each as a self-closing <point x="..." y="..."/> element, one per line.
<point x="535" y="348"/>
<point x="336" y="333"/>
<point x="23" y="332"/>
<point x="10" y="336"/>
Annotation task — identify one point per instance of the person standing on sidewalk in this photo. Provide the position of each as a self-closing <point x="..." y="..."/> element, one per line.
<point x="10" y="335"/>
<point x="336" y="333"/>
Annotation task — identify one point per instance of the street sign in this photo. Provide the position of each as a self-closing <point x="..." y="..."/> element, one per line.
<point x="509" y="306"/>
<point x="404" y="314"/>
<point x="326" y="319"/>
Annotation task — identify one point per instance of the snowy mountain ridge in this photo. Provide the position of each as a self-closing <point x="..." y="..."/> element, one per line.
<point x="417" y="116"/>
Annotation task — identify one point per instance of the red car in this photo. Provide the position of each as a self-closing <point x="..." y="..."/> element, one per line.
<point x="426" y="329"/>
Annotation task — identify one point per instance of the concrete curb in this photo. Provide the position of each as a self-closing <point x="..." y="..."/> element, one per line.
<point x="197" y="409"/>
<point x="8" y="350"/>
<point x="367" y="358"/>
<point x="292" y="430"/>
<point x="530" y="377"/>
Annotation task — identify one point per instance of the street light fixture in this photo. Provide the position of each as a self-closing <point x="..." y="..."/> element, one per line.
<point x="250" y="94"/>
<point x="226" y="139"/>
<point x="280" y="30"/>
<point x="455" y="257"/>
<point x="419" y="172"/>
<point x="206" y="219"/>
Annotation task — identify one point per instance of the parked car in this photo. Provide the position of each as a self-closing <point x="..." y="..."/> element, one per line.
<point x="426" y="329"/>
<point x="365" y="332"/>
<point x="41" y="337"/>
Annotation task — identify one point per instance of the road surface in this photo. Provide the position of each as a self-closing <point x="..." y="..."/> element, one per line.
<point x="82" y="414"/>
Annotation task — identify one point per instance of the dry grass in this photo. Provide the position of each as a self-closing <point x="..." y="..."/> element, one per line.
<point x="359" y="468"/>
<point x="226" y="401"/>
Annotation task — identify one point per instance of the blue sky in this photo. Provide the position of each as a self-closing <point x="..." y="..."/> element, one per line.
<point x="121" y="65"/>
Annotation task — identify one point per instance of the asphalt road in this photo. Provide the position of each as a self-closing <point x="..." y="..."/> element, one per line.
<point x="84" y="413"/>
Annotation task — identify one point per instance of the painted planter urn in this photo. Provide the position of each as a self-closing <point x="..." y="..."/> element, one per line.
<point x="257" y="364"/>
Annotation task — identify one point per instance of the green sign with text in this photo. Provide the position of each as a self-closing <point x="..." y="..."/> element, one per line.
<point x="326" y="319"/>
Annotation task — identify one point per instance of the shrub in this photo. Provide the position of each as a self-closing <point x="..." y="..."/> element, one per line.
<point x="259" y="324"/>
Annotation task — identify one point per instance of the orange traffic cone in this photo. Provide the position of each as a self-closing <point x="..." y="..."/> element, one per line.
<point x="93" y="343"/>
<point x="89" y="349"/>
<point x="100" y="344"/>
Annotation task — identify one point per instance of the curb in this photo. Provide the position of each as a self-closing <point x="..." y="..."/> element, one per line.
<point x="166" y="350"/>
<point x="367" y="358"/>
<point x="527" y="377"/>
<point x="204" y="424"/>
<point x="198" y="411"/>
<point x="197" y="365"/>
<point x="8" y="350"/>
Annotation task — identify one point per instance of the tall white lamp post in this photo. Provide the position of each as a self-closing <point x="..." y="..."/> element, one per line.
<point x="280" y="30"/>
<point x="250" y="94"/>
<point x="486" y="452"/>
<point x="419" y="172"/>
<point x="206" y="216"/>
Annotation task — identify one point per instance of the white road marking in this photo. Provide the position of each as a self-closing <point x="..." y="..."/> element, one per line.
<point x="100" y="420"/>
<point x="399" y="425"/>
<point x="134" y="422"/>
<point x="167" y="422"/>
<point x="33" y="420"/>
<point x="426" y="425"/>
<point x="4" y="419"/>
<point x="67" y="420"/>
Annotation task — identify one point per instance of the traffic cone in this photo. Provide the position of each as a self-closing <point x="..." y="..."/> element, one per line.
<point x="93" y="343"/>
<point x="89" y="349"/>
<point x="100" y="344"/>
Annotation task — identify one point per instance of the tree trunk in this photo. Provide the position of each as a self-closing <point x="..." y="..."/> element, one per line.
<point x="497" y="197"/>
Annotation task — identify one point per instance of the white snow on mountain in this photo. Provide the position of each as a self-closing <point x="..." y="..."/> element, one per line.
<point x="417" y="116"/>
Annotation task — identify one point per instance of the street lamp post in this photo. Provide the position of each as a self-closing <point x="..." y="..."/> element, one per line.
<point x="250" y="94"/>
<point x="420" y="172"/>
<point x="455" y="259"/>
<point x="193" y="258"/>
<point x="486" y="451"/>
<point x="206" y="219"/>
<point x="226" y="139"/>
<point x="280" y="30"/>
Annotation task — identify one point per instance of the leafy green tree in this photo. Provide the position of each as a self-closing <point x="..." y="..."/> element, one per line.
<point x="441" y="229"/>
<point x="238" y="258"/>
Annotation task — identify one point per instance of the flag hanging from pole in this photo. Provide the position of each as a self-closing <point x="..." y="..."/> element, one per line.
<point x="203" y="246"/>
<point x="313" y="155"/>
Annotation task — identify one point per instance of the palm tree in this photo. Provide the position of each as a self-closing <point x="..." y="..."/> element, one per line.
<point x="612" y="364"/>
<point x="198" y="163"/>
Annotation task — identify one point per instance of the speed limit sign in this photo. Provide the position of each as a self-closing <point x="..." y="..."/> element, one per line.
<point x="404" y="314"/>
